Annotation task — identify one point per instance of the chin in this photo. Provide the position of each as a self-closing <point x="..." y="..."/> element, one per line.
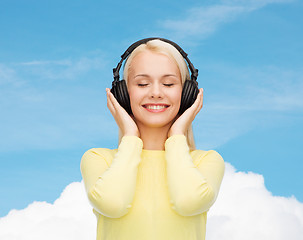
<point x="155" y="123"/>
<point x="155" y="120"/>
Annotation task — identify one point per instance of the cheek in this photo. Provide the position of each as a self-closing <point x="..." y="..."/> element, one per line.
<point x="131" y="92"/>
<point x="135" y="96"/>
<point x="176" y="96"/>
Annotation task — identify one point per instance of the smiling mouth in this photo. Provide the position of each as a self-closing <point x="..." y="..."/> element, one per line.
<point x="155" y="107"/>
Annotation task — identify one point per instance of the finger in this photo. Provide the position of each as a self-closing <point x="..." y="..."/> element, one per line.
<point x="115" y="102"/>
<point x="195" y="105"/>
<point x="199" y="101"/>
<point x="110" y="105"/>
<point x="109" y="101"/>
<point x="191" y="111"/>
<point x="202" y="97"/>
<point x="119" y="111"/>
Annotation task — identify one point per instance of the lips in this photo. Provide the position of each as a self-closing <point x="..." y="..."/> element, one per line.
<point x="155" y="107"/>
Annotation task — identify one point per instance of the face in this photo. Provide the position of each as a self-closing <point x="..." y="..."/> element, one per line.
<point x="154" y="86"/>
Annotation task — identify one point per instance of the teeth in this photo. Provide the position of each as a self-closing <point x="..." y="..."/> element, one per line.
<point x="155" y="107"/>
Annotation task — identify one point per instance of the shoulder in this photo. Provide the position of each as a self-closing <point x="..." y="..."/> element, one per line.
<point x="200" y="156"/>
<point x="97" y="154"/>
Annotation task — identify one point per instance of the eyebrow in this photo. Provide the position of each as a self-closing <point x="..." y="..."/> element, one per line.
<point x="170" y="75"/>
<point x="146" y="75"/>
<point x="141" y="75"/>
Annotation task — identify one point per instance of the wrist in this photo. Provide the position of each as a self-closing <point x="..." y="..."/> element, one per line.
<point x="172" y="133"/>
<point x="132" y="133"/>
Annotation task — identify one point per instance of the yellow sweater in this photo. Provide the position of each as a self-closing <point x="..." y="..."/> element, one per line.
<point x="140" y="194"/>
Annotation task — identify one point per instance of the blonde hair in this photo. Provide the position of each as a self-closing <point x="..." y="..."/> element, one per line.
<point x="161" y="47"/>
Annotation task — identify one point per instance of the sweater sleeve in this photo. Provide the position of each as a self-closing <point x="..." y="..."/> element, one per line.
<point x="193" y="189"/>
<point x="111" y="189"/>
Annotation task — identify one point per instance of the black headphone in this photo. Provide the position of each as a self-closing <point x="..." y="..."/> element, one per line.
<point x="190" y="88"/>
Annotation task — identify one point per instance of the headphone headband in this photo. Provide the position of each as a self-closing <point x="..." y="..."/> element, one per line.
<point x="130" y="49"/>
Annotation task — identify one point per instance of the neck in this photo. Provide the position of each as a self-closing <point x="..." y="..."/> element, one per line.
<point x="153" y="138"/>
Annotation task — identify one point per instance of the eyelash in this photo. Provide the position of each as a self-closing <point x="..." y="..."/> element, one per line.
<point x="145" y="84"/>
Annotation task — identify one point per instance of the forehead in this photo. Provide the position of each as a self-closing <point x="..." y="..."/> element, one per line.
<point x="148" y="61"/>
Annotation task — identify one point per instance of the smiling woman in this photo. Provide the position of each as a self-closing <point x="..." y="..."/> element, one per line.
<point x="156" y="185"/>
<point x="155" y="88"/>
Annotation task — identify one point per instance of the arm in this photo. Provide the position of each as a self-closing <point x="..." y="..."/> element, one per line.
<point x="192" y="189"/>
<point x="111" y="189"/>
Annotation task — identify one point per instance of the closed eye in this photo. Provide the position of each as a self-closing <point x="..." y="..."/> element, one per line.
<point x="168" y="84"/>
<point x="142" y="84"/>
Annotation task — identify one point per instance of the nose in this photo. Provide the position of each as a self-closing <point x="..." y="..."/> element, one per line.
<point x="156" y="91"/>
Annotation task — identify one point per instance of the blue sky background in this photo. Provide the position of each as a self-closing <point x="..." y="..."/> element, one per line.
<point x="56" y="60"/>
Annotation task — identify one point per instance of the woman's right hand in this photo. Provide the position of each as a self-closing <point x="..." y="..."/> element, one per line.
<point x="125" y="122"/>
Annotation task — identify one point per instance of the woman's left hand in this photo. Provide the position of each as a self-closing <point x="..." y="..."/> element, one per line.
<point x="182" y="123"/>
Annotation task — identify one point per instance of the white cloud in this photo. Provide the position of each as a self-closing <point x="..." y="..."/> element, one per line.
<point x="20" y="73"/>
<point x="63" y="68"/>
<point x="64" y="62"/>
<point x="253" y="3"/>
<point x="245" y="209"/>
<point x="8" y="76"/>
<point x="70" y="217"/>
<point x="203" y="21"/>
<point x="5" y="73"/>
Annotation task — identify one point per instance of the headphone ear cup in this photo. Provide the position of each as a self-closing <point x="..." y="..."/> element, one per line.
<point x="189" y="95"/>
<point x="120" y="92"/>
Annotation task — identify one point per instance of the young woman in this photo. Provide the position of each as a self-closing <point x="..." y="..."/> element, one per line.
<point x="156" y="185"/>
